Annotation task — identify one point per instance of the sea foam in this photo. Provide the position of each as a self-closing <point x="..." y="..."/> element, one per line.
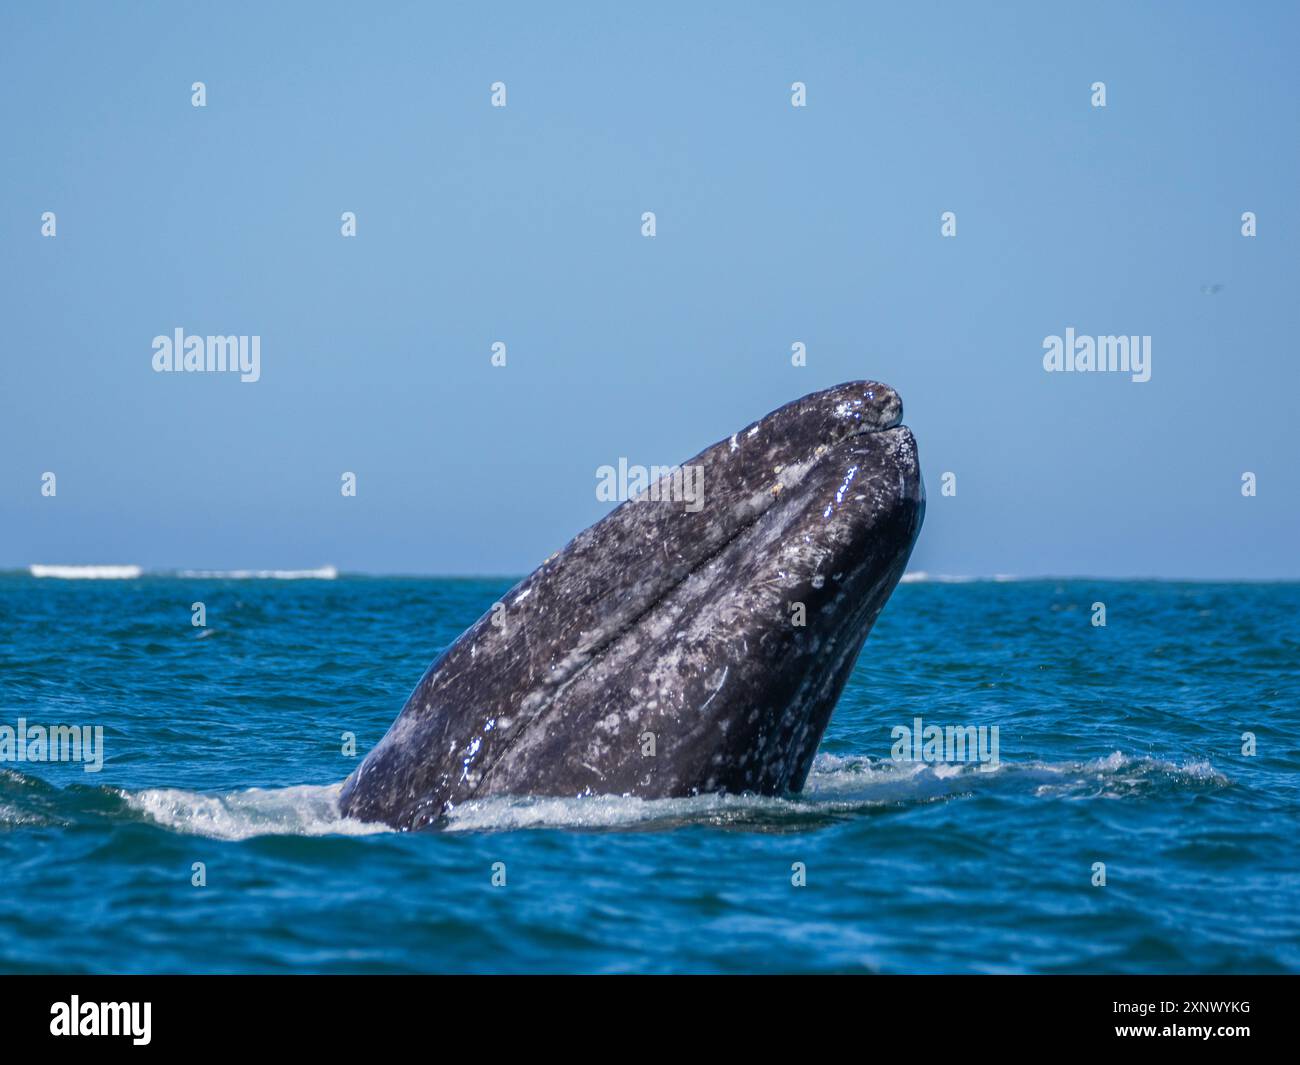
<point x="86" y="572"/>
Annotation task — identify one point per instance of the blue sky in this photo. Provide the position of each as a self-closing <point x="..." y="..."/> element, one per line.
<point x="775" y="224"/>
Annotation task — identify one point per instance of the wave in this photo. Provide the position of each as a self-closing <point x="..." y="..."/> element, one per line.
<point x="302" y="810"/>
<point x="322" y="573"/>
<point x="920" y="576"/>
<point x="86" y="572"/>
<point x="838" y="785"/>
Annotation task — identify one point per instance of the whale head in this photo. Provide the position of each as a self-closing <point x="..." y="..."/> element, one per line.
<point x="694" y="640"/>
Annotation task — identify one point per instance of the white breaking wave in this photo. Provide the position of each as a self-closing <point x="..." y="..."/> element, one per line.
<point x="323" y="573"/>
<point x="303" y="810"/>
<point x="920" y="576"/>
<point x="837" y="785"/>
<point x="119" y="573"/>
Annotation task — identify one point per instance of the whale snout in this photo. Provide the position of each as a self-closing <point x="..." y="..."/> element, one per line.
<point x="824" y="419"/>
<point x="874" y="405"/>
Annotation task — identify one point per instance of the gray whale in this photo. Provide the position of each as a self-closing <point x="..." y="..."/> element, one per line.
<point x="660" y="653"/>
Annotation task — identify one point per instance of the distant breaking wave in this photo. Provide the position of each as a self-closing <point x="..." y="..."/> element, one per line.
<point x="119" y="573"/>
<point x="323" y="573"/>
<point x="919" y="576"/>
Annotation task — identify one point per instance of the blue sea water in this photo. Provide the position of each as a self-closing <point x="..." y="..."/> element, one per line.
<point x="224" y="745"/>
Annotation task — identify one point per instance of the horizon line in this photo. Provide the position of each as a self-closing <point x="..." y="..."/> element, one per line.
<point x="46" y="571"/>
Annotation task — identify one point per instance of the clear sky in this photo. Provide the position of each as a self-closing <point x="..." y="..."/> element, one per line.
<point x="774" y="225"/>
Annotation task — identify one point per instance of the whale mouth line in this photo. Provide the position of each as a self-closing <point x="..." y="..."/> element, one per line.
<point x="867" y="430"/>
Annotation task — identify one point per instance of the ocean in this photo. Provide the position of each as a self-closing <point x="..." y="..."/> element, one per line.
<point x="1158" y="753"/>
